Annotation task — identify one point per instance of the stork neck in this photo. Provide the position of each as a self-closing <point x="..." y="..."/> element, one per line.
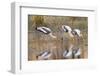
<point x="70" y="34"/>
<point x="52" y="35"/>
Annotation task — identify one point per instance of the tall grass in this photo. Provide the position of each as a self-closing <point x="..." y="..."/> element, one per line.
<point x="38" y="41"/>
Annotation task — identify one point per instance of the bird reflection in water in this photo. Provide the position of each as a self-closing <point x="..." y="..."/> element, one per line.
<point x="72" y="53"/>
<point x="58" y="45"/>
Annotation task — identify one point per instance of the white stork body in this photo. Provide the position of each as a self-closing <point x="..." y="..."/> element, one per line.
<point x="78" y="52"/>
<point x="45" y="30"/>
<point x="68" y="30"/>
<point x="78" y="32"/>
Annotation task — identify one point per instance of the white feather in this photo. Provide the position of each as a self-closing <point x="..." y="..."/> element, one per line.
<point x="47" y="28"/>
<point x="78" y="32"/>
<point x="66" y="27"/>
<point x="40" y="28"/>
<point x="78" y="52"/>
<point x="69" y="53"/>
<point x="45" y="55"/>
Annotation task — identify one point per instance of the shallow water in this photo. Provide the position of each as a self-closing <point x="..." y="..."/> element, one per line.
<point x="61" y="47"/>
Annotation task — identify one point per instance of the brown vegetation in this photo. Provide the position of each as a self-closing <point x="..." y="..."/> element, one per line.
<point x="38" y="42"/>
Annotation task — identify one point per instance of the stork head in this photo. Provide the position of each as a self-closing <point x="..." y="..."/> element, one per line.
<point x="66" y="28"/>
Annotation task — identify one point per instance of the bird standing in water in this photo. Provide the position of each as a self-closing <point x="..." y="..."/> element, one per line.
<point x="75" y="33"/>
<point x="78" y="34"/>
<point x="68" y="31"/>
<point x="46" y="31"/>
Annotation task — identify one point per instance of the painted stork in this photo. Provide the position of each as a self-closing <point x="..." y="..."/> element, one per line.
<point x="77" y="33"/>
<point x="45" y="30"/>
<point x="72" y="33"/>
<point x="68" y="30"/>
<point x="44" y="55"/>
